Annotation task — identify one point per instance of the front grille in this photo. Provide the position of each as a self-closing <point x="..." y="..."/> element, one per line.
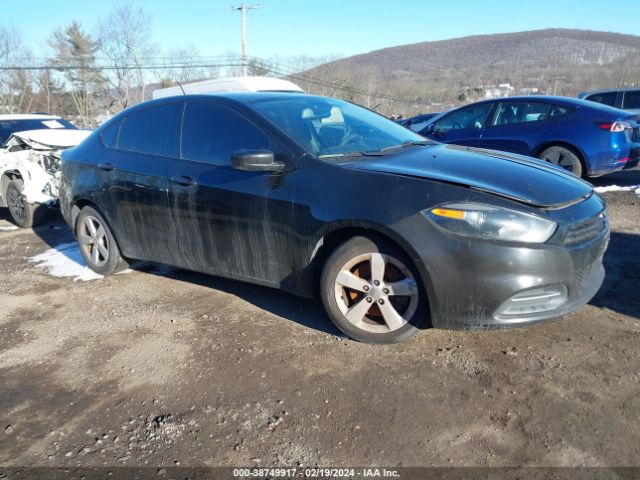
<point x="588" y="230"/>
<point x="635" y="135"/>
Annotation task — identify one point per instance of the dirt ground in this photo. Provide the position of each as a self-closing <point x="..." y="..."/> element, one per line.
<point x="165" y="367"/>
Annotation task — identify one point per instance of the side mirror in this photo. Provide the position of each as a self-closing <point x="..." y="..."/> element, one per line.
<point x="256" y="161"/>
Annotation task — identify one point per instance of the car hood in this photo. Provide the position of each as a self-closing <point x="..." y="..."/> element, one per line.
<point x="523" y="179"/>
<point x="48" y="139"/>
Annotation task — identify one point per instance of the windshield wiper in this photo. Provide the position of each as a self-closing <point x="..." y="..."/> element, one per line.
<point x="342" y="155"/>
<point x="382" y="151"/>
<point x="410" y="143"/>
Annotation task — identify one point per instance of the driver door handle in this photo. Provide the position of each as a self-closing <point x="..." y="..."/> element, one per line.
<point x="183" y="181"/>
<point x="106" y="166"/>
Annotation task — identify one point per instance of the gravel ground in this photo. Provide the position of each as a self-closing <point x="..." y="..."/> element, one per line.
<point x="164" y="367"/>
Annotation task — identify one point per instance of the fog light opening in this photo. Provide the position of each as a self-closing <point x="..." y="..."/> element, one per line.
<point x="532" y="302"/>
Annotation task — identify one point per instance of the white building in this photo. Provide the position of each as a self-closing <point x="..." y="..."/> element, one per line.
<point x="502" y="90"/>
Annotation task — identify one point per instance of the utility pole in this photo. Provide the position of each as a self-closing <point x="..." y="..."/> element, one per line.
<point x="243" y="12"/>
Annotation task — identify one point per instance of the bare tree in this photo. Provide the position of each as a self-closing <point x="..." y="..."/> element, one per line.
<point x="184" y="65"/>
<point x="75" y="56"/>
<point x="16" y="86"/>
<point x="49" y="96"/>
<point x="125" y="41"/>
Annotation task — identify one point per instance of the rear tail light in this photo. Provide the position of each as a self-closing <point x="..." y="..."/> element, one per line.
<point x="614" y="126"/>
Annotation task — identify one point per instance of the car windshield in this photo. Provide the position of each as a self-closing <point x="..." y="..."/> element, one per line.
<point x="8" y="127"/>
<point x="333" y="128"/>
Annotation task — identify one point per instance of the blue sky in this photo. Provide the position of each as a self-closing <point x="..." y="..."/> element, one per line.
<point x="321" y="27"/>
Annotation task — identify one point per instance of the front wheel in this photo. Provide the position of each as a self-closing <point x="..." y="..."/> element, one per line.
<point x="97" y="244"/>
<point x="372" y="291"/>
<point x="23" y="213"/>
<point x="564" y="158"/>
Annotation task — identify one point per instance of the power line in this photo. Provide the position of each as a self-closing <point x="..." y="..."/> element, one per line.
<point x="122" y="67"/>
<point x="355" y="91"/>
<point x="274" y="70"/>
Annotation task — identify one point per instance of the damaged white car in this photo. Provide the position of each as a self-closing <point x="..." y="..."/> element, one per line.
<point x="30" y="163"/>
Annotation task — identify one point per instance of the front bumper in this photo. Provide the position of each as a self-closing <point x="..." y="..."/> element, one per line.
<point x="473" y="289"/>
<point x="582" y="294"/>
<point x="474" y="284"/>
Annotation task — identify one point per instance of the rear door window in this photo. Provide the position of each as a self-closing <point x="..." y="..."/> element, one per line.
<point x="212" y="132"/>
<point x="153" y="130"/>
<point x="521" y="112"/>
<point x="558" y="111"/>
<point x="109" y="136"/>
<point x="632" y="99"/>
<point x="608" y="98"/>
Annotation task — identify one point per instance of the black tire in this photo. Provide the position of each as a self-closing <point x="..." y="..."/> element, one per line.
<point x="23" y="213"/>
<point x="563" y="157"/>
<point x="97" y="243"/>
<point x="397" y="269"/>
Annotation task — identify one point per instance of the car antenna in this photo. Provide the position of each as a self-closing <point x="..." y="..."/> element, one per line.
<point x="180" y="85"/>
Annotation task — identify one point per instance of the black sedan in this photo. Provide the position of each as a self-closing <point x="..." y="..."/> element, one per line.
<point x="321" y="197"/>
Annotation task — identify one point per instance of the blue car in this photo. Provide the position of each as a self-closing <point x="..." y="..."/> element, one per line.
<point x="585" y="138"/>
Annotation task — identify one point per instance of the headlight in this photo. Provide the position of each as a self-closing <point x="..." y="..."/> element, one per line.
<point x="491" y="223"/>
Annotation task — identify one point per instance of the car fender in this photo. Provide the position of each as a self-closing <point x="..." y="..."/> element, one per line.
<point x="33" y="175"/>
<point x="561" y="143"/>
<point x="317" y="241"/>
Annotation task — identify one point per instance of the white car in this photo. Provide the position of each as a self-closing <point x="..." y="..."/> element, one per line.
<point x="233" y="84"/>
<point x="30" y="163"/>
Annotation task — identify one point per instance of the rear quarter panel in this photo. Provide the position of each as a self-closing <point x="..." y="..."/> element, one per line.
<point x="81" y="179"/>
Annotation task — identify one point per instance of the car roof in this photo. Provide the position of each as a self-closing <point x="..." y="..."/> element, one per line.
<point x="228" y="97"/>
<point x="241" y="98"/>
<point x="233" y="84"/>
<point x="244" y="97"/>
<point x="27" y="116"/>
<point x="577" y="102"/>
<point x="536" y="98"/>
<point x="608" y="90"/>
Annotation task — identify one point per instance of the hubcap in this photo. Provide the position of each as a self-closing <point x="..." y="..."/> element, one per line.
<point x="16" y="205"/>
<point x="557" y="157"/>
<point x="93" y="241"/>
<point x="376" y="292"/>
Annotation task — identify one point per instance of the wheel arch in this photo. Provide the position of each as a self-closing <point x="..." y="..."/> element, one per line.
<point x="6" y="177"/>
<point x="569" y="146"/>
<point x="77" y="207"/>
<point x="336" y="234"/>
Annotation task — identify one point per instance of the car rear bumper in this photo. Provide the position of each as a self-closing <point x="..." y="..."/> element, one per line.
<point x="621" y="160"/>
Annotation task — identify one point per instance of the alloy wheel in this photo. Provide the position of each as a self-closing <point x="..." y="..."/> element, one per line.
<point x="559" y="158"/>
<point x="93" y="239"/>
<point x="376" y="292"/>
<point x="17" y="205"/>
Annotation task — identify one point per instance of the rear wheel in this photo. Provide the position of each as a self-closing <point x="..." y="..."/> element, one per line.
<point x="564" y="158"/>
<point x="372" y="292"/>
<point x="23" y="213"/>
<point x="97" y="244"/>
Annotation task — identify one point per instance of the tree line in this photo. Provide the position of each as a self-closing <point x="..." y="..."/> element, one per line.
<point x="88" y="75"/>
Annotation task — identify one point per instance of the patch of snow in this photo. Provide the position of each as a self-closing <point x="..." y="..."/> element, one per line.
<point x="616" y="188"/>
<point x="7" y="228"/>
<point x="65" y="260"/>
